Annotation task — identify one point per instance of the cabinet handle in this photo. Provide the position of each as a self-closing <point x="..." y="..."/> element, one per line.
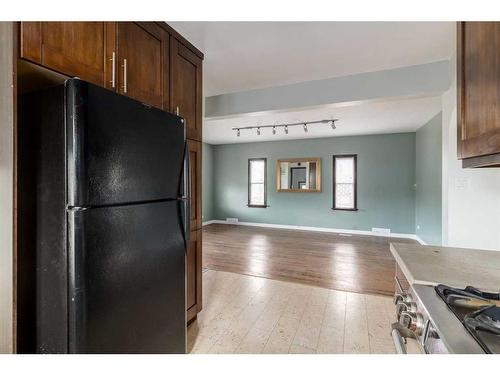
<point x="177" y="110"/>
<point x="124" y="75"/>
<point x="113" y="69"/>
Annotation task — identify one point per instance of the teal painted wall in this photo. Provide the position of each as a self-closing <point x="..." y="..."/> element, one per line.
<point x="428" y="197"/>
<point x="386" y="178"/>
<point x="207" y="210"/>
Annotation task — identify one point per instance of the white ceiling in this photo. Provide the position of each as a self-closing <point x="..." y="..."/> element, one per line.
<point x="394" y="116"/>
<point x="247" y="55"/>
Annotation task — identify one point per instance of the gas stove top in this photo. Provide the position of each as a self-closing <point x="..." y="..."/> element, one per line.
<point x="478" y="311"/>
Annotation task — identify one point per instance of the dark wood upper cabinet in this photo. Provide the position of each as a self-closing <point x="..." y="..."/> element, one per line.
<point x="186" y="87"/>
<point x="76" y="49"/>
<point x="195" y="183"/>
<point x="143" y="63"/>
<point x="478" y="89"/>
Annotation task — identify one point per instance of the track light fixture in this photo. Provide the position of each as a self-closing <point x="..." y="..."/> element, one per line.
<point x="285" y="126"/>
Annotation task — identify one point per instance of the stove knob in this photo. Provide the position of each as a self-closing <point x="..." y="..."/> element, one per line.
<point x="405" y="306"/>
<point x="401" y="297"/>
<point x="413" y="321"/>
<point x="398" y="297"/>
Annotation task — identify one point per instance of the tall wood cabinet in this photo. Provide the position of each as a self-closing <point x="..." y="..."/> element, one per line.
<point x="194" y="148"/>
<point x="194" y="253"/>
<point x="478" y="89"/>
<point x="193" y="275"/>
<point x="149" y="62"/>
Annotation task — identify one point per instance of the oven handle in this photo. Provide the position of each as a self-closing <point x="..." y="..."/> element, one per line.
<point x="399" y="341"/>
<point x="400" y="334"/>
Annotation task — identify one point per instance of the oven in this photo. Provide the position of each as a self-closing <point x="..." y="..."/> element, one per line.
<point x="424" y="323"/>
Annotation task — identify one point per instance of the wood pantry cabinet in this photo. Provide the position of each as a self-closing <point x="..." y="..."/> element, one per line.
<point x="147" y="61"/>
<point x="195" y="177"/>
<point x="478" y="93"/>
<point x="193" y="275"/>
<point x="194" y="251"/>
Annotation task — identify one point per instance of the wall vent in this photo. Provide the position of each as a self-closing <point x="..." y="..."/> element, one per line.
<point x="382" y="231"/>
<point x="232" y="220"/>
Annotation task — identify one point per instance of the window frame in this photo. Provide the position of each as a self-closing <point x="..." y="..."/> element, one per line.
<point x="355" y="182"/>
<point x="249" y="186"/>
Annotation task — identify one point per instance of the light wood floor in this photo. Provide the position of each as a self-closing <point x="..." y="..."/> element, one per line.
<point x="361" y="264"/>
<point x="245" y="314"/>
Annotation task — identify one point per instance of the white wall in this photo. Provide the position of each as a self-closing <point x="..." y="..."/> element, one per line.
<point x="6" y="187"/>
<point x="471" y="197"/>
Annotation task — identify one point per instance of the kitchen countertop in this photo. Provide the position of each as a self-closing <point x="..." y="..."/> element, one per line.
<point x="456" y="267"/>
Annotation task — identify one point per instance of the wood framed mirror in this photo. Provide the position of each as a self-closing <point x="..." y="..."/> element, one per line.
<point x="298" y="175"/>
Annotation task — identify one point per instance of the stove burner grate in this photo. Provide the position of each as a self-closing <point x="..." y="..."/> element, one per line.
<point x="483" y="322"/>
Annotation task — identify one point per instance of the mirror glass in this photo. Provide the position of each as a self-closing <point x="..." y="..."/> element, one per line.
<point x="299" y="175"/>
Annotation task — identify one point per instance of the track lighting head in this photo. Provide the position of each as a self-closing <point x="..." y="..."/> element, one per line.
<point x="286" y="129"/>
<point x="258" y="131"/>
<point x="238" y="132"/>
<point x="305" y="128"/>
<point x="332" y="123"/>
<point x="274" y="130"/>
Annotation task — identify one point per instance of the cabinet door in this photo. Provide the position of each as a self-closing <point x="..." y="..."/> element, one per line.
<point x="193" y="275"/>
<point x="185" y="83"/>
<point x="143" y="64"/>
<point x="195" y="183"/>
<point x="478" y="91"/>
<point x="76" y="49"/>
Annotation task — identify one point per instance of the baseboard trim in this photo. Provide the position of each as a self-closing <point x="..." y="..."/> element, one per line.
<point x="210" y="222"/>
<point x="319" y="229"/>
<point x="421" y="241"/>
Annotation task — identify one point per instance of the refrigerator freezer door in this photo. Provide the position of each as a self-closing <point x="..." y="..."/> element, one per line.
<point x="119" y="150"/>
<point x="127" y="279"/>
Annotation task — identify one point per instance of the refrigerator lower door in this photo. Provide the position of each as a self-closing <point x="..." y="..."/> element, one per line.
<point x="127" y="279"/>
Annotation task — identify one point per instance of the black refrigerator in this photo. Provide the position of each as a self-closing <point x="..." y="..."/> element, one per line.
<point x="111" y="222"/>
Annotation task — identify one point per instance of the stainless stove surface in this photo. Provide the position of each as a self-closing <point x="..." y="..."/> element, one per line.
<point x="453" y="335"/>
<point x="425" y="317"/>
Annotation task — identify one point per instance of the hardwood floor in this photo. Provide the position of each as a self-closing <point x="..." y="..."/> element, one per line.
<point x="246" y="314"/>
<point x="353" y="263"/>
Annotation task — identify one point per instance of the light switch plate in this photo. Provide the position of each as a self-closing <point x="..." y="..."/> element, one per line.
<point x="461" y="183"/>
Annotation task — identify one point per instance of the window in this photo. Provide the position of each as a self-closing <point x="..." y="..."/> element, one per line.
<point x="257" y="182"/>
<point x="345" y="182"/>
